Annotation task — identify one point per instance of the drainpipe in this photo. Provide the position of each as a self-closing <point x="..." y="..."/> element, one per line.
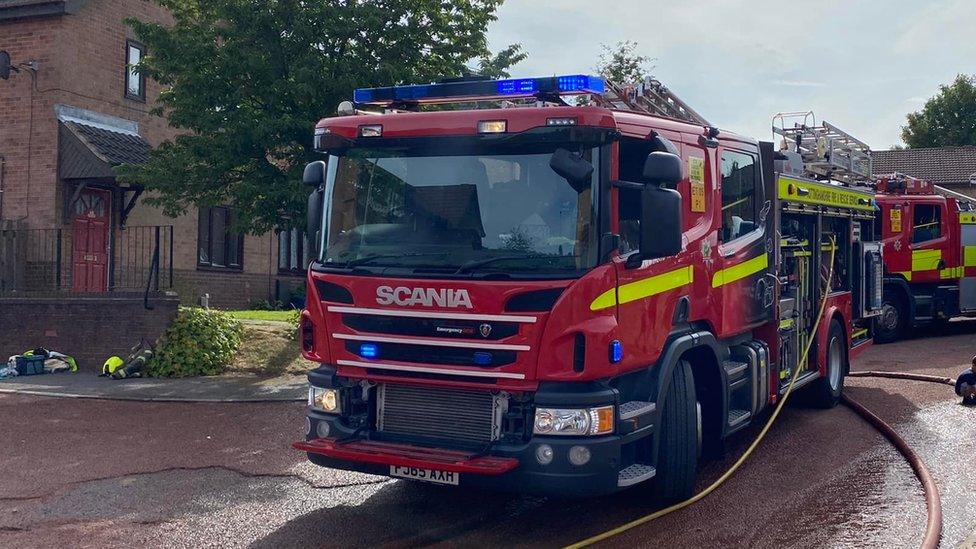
<point x="3" y="164"/>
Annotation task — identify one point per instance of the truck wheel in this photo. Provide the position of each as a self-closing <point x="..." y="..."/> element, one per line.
<point x="825" y="392"/>
<point x="891" y="324"/>
<point x="677" y="459"/>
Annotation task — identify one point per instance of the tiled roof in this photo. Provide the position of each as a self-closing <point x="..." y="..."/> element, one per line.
<point x="112" y="147"/>
<point x="941" y="165"/>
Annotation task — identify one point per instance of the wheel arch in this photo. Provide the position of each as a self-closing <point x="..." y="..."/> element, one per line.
<point x="702" y="351"/>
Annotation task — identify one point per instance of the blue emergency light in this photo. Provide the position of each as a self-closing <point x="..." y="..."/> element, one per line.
<point x="477" y="90"/>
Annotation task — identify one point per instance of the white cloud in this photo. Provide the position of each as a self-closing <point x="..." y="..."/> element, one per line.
<point x="739" y="61"/>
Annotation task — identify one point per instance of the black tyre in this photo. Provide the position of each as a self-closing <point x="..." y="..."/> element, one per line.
<point x="678" y="450"/>
<point x="892" y="323"/>
<point x="826" y="391"/>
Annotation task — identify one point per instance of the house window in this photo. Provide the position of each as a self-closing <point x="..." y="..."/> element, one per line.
<point x="738" y="194"/>
<point x="926" y="223"/>
<point x="293" y="254"/>
<point x="135" y="82"/>
<point x="218" y="245"/>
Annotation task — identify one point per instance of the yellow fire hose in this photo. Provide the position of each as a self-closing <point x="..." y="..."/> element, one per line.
<point x="735" y="466"/>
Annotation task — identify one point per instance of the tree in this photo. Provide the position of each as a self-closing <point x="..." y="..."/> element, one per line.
<point x="248" y="79"/>
<point x="947" y="119"/>
<point x="622" y="64"/>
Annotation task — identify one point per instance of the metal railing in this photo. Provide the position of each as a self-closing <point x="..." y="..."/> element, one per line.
<point x="45" y="261"/>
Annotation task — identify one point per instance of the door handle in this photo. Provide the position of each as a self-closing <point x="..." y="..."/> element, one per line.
<point x="941" y="265"/>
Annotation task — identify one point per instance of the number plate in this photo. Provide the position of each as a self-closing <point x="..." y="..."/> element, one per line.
<point x="429" y="475"/>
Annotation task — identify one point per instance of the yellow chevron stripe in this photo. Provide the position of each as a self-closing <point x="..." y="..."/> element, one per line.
<point x="640" y="289"/>
<point x="740" y="271"/>
<point x="926" y="260"/>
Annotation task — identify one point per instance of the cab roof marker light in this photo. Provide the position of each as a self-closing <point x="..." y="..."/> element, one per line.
<point x="492" y="126"/>
<point x="481" y="90"/>
<point x="567" y="121"/>
<point x="371" y="130"/>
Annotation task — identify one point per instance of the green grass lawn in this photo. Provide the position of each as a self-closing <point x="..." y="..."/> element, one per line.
<point x="281" y="316"/>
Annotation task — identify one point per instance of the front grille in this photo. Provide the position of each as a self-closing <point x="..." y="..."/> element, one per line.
<point x="438" y="413"/>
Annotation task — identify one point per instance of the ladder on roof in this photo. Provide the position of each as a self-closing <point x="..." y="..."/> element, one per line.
<point x="650" y="97"/>
<point x="827" y="151"/>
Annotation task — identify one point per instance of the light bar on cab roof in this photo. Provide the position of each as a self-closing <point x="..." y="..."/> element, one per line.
<point x="477" y="90"/>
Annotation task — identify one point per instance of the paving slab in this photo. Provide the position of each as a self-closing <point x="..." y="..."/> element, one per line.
<point x="222" y="388"/>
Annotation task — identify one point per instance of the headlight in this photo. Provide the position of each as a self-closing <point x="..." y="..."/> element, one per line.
<point x="326" y="400"/>
<point x="573" y="421"/>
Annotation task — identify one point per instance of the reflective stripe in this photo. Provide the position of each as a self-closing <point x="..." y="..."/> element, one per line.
<point x="633" y="291"/>
<point x="969" y="256"/>
<point x="926" y="260"/>
<point x="906" y="274"/>
<point x="967" y="218"/>
<point x="740" y="271"/>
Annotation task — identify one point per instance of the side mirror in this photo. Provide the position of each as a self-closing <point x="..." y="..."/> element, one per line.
<point x="662" y="168"/>
<point x="314" y="174"/>
<point x="573" y="168"/>
<point x="660" y="222"/>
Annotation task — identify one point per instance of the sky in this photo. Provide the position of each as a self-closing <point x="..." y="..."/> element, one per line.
<point x="861" y="66"/>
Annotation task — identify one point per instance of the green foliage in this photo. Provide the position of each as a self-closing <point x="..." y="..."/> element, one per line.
<point x="197" y="342"/>
<point x="622" y="64"/>
<point x="948" y="119"/>
<point x="248" y="79"/>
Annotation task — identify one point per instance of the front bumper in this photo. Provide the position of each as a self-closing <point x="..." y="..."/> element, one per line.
<point x="506" y="467"/>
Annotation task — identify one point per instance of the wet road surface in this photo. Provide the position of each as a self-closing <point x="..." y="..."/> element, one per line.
<point x="102" y="473"/>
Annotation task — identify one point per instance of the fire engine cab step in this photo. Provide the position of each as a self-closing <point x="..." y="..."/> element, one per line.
<point x="738" y="418"/>
<point x="406" y="455"/>
<point x="635" y="474"/>
<point x="735" y="370"/>
<point x="634" y="408"/>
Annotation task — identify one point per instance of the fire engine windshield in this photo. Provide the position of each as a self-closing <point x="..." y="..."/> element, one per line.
<point x="501" y="211"/>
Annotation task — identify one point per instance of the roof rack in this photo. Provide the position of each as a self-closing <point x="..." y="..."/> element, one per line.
<point x="649" y="97"/>
<point x="827" y="152"/>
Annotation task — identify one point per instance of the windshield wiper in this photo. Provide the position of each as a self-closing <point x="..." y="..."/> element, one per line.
<point x="475" y="263"/>
<point x="370" y="258"/>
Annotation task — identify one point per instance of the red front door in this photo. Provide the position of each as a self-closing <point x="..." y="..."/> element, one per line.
<point x="90" y="218"/>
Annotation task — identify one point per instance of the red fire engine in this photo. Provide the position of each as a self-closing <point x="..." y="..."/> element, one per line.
<point x="929" y="236"/>
<point x="566" y="299"/>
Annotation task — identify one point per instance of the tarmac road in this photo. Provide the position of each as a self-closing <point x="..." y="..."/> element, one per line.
<point x="106" y="473"/>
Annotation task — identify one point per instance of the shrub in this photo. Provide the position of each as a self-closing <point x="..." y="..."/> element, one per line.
<point x="197" y="342"/>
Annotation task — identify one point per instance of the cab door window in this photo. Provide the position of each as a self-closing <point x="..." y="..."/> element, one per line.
<point x="926" y="223"/>
<point x="739" y="182"/>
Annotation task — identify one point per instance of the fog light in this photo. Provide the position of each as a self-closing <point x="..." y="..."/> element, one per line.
<point x="322" y="429"/>
<point x="543" y="454"/>
<point x="579" y="455"/>
<point x="492" y="126"/>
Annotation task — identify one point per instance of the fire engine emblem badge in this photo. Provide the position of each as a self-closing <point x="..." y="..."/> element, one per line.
<point x="706" y="250"/>
<point x="897" y="245"/>
<point x="484" y="330"/>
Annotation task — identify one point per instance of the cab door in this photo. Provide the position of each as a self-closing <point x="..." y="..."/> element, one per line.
<point x="933" y="257"/>
<point x="741" y="281"/>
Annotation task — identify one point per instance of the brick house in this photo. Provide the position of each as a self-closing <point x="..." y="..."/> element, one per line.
<point x="69" y="112"/>
<point x="950" y="167"/>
